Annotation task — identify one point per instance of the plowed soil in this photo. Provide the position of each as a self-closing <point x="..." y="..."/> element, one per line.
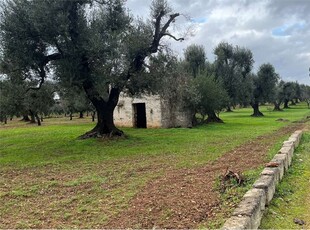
<point x="185" y="198"/>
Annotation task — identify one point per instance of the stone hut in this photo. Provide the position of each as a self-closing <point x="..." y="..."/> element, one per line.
<point x="151" y="111"/>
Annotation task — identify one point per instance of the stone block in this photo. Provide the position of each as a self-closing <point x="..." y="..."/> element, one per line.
<point x="258" y="194"/>
<point x="298" y="133"/>
<point x="281" y="158"/>
<point x="268" y="184"/>
<point x="296" y="137"/>
<point x="280" y="167"/>
<point x="289" y="144"/>
<point x="275" y="171"/>
<point x="252" y="205"/>
<point x="295" y="140"/>
<point x="237" y="223"/>
<point x="288" y="150"/>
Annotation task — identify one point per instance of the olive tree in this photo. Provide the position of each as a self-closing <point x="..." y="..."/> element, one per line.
<point x="206" y="94"/>
<point x="278" y="97"/>
<point x="264" y="87"/>
<point x="305" y="94"/>
<point x="289" y="93"/>
<point x="208" y="97"/>
<point x="233" y="65"/>
<point x="195" y="59"/>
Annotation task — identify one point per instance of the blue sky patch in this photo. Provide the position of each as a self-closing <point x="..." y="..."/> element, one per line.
<point x="280" y="31"/>
<point x="199" y="20"/>
<point x="287" y="30"/>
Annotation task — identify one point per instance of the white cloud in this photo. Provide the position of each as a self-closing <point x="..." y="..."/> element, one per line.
<point x="277" y="31"/>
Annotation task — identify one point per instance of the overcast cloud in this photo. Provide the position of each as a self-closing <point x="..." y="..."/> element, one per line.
<point x="276" y="31"/>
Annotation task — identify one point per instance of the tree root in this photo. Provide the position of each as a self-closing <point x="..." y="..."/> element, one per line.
<point x="114" y="134"/>
<point x="214" y="120"/>
<point x="259" y="114"/>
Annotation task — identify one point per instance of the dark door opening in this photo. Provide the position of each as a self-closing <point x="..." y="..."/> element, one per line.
<point x="139" y="115"/>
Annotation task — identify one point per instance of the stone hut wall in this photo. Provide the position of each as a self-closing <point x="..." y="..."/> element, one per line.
<point x="160" y="113"/>
<point x="124" y="111"/>
<point x="174" y="114"/>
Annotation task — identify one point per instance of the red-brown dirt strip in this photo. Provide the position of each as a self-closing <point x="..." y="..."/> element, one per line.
<point x="185" y="198"/>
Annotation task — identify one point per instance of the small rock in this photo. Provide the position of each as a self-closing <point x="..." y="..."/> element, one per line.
<point x="299" y="221"/>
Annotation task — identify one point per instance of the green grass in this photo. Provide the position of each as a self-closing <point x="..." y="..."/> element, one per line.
<point x="57" y="144"/>
<point x="48" y="168"/>
<point x="292" y="198"/>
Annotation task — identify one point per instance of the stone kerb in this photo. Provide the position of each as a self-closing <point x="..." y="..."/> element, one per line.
<point x="249" y="211"/>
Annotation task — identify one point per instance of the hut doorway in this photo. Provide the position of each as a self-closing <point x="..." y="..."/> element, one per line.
<point x="139" y="110"/>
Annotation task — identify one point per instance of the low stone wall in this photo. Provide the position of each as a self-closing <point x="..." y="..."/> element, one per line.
<point x="250" y="210"/>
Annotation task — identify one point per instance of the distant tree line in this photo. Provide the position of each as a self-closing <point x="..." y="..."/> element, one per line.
<point x="208" y="88"/>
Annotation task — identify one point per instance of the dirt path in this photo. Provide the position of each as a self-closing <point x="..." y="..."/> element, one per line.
<point x="184" y="198"/>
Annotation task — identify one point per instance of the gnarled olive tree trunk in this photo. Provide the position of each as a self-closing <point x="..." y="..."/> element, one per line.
<point x="256" y="112"/>
<point x="213" y="118"/>
<point x="32" y="117"/>
<point x="277" y="106"/>
<point x="229" y="110"/>
<point x="38" y="119"/>
<point x="286" y="104"/>
<point x="293" y="102"/>
<point x="25" y="118"/>
<point x="105" y="123"/>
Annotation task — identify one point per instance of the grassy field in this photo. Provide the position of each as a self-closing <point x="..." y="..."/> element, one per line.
<point x="58" y="181"/>
<point x="292" y="198"/>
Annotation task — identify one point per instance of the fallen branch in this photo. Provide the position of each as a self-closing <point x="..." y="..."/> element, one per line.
<point x="231" y="179"/>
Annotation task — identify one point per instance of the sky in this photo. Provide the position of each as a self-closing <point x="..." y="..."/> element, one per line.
<point x="276" y="31"/>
